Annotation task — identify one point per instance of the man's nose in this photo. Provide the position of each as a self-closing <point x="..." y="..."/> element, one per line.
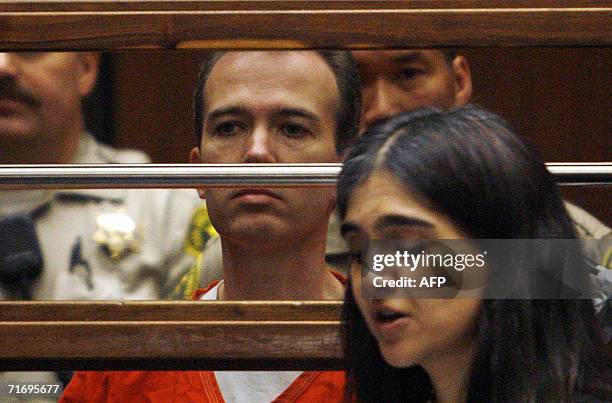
<point x="259" y="146"/>
<point x="7" y="64"/>
<point x="379" y="102"/>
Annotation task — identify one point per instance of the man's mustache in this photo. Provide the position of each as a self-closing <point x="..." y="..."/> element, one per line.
<point x="9" y="89"/>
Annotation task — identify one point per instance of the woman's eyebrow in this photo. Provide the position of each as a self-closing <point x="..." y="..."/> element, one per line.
<point x="401" y="221"/>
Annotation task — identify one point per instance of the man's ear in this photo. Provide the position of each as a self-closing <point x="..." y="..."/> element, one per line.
<point x="88" y="71"/>
<point x="463" y="81"/>
<point x="195" y="158"/>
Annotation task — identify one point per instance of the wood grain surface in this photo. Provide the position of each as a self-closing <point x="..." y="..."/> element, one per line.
<point x="301" y="24"/>
<point x="170" y="335"/>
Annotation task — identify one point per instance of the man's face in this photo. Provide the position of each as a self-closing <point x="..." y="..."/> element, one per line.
<point x="269" y="107"/>
<point x="40" y="94"/>
<point x="400" y="81"/>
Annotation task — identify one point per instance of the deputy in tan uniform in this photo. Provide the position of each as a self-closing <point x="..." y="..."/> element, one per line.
<point x="80" y="244"/>
<point x="395" y="82"/>
<point x="102" y="243"/>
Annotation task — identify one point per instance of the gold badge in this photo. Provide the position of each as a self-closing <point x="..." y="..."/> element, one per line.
<point x="117" y="235"/>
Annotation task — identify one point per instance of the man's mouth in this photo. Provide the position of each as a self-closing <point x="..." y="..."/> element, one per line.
<point x="10" y="101"/>
<point x="11" y="106"/>
<point x="255" y="194"/>
<point x="13" y="95"/>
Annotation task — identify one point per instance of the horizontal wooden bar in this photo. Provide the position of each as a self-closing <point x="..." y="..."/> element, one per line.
<point x="112" y="311"/>
<point x="301" y="24"/>
<point x="273" y="5"/>
<point x="170" y="345"/>
<point x="170" y="335"/>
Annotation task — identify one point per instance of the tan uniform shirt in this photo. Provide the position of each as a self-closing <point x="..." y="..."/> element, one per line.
<point x="74" y="236"/>
<point x="589" y="227"/>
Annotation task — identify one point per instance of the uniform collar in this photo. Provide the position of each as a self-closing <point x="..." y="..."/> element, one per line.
<point x="92" y="152"/>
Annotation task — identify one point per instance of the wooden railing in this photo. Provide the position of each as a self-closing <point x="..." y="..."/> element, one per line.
<point x="302" y="24"/>
<point x="170" y="335"/>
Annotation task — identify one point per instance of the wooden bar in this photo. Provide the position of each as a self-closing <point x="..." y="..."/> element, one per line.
<point x="170" y="335"/>
<point x="301" y="24"/>
<point x="298" y="5"/>
<point x="133" y="311"/>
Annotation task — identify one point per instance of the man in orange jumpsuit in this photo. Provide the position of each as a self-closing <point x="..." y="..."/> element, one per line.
<point x="260" y="107"/>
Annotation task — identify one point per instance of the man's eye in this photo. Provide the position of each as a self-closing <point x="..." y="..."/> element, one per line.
<point x="408" y="73"/>
<point x="227" y="128"/>
<point x="294" y="130"/>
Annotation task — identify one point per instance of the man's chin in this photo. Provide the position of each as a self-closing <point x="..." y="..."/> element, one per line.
<point x="257" y="228"/>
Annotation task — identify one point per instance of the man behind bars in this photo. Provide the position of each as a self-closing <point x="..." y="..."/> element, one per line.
<point x="260" y="107"/>
<point x="76" y="244"/>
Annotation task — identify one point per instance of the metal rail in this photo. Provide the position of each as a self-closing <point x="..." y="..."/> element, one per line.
<point x="226" y="175"/>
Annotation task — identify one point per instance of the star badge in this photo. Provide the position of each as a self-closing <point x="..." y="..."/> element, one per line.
<point x="117" y="235"/>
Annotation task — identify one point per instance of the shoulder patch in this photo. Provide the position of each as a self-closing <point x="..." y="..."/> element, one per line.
<point x="189" y="282"/>
<point x="199" y="232"/>
<point x="607" y="259"/>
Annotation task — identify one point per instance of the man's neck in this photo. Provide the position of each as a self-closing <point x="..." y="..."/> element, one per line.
<point x="291" y="271"/>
